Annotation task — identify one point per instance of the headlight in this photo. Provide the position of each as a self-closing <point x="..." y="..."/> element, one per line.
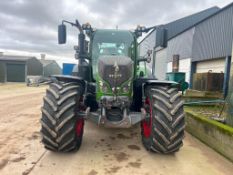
<point x="103" y="87"/>
<point x="126" y="88"/>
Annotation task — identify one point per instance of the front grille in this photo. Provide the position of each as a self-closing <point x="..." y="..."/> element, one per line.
<point x="115" y="69"/>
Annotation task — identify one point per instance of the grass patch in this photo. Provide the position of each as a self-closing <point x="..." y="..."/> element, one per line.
<point x="208" y="111"/>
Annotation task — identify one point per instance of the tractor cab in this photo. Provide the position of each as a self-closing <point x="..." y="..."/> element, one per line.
<point x="112" y="43"/>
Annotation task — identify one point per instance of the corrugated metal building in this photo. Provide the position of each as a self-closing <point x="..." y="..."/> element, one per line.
<point x="205" y="46"/>
<point x="50" y="67"/>
<point x="155" y="39"/>
<point x="17" y="68"/>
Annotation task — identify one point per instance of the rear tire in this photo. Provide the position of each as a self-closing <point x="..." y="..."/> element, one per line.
<point x="61" y="127"/>
<point x="163" y="132"/>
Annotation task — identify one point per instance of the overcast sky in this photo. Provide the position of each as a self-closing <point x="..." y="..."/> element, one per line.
<point x="31" y="25"/>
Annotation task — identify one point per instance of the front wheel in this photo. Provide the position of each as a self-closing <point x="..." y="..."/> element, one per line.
<point x="61" y="127"/>
<point x="163" y="131"/>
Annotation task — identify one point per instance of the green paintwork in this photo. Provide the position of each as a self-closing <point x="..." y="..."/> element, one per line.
<point x="127" y="37"/>
<point x="141" y="68"/>
<point x="100" y="93"/>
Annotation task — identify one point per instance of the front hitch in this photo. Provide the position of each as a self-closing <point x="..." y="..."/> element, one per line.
<point x="129" y="118"/>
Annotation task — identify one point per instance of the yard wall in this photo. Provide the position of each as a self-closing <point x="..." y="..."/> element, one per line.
<point x="216" y="135"/>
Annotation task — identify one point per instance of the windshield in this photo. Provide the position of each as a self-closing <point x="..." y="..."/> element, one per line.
<point x="112" y="42"/>
<point x="111" y="49"/>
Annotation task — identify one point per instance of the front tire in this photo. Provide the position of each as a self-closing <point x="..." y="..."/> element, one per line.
<point x="61" y="127"/>
<point x="163" y="131"/>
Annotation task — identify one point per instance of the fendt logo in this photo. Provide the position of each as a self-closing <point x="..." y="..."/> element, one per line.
<point x="116" y="70"/>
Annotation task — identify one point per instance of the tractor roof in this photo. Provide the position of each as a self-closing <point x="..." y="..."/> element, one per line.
<point x="106" y="34"/>
<point x="113" y="30"/>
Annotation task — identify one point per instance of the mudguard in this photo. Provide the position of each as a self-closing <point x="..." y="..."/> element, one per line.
<point x="139" y="85"/>
<point x="69" y="78"/>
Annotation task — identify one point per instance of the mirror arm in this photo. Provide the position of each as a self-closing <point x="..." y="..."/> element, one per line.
<point x="144" y="59"/>
<point x="76" y="24"/>
<point x="140" y="29"/>
<point x="68" y="22"/>
<point x="141" y="59"/>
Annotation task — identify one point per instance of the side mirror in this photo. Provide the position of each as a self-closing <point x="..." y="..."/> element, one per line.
<point x="61" y="34"/>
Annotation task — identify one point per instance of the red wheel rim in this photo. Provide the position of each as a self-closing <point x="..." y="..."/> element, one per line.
<point x="147" y="124"/>
<point x="79" y="127"/>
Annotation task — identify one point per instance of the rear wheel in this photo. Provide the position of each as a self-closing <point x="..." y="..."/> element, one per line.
<point x="62" y="128"/>
<point x="163" y="131"/>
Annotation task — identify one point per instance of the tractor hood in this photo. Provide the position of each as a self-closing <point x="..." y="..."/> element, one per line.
<point x="115" y="70"/>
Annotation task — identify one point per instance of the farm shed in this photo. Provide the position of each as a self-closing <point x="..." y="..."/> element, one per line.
<point x="50" y="67"/>
<point x="203" y="42"/>
<point x="157" y="40"/>
<point x="210" y="46"/>
<point x="17" y="68"/>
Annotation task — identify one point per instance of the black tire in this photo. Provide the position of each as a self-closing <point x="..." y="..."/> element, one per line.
<point x="167" y="122"/>
<point x="59" y="117"/>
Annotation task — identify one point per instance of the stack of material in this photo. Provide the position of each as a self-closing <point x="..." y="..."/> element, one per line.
<point x="208" y="81"/>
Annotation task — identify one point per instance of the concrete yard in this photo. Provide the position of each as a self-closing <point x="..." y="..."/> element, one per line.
<point x="103" y="151"/>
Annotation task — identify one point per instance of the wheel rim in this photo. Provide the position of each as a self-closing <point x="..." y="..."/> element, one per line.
<point x="79" y="127"/>
<point x="147" y="123"/>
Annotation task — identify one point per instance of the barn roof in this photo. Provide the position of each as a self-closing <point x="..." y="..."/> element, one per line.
<point x="203" y="20"/>
<point x="182" y="24"/>
<point x="15" y="58"/>
<point x="178" y="26"/>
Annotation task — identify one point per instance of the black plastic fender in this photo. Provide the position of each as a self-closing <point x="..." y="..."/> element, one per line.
<point x="70" y="78"/>
<point x="89" y="89"/>
<point x="139" y="86"/>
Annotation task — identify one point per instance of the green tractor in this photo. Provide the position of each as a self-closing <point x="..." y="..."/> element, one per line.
<point x="112" y="87"/>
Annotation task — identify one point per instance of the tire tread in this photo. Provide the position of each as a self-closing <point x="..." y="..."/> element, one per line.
<point x="59" y="116"/>
<point x="167" y="120"/>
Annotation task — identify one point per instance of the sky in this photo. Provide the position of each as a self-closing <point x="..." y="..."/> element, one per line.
<point x="29" y="27"/>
